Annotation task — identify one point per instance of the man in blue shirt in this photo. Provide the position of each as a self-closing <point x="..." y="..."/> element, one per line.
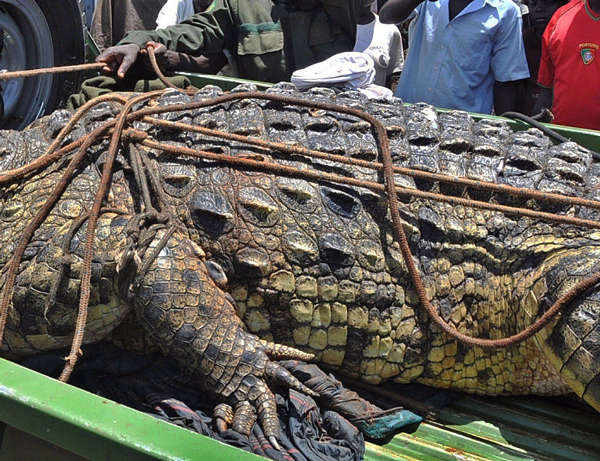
<point x="462" y="54"/>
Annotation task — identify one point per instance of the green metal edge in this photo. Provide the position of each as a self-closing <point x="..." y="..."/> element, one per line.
<point x="584" y="137"/>
<point x="222" y="81"/>
<point x="97" y="428"/>
<point x="501" y="429"/>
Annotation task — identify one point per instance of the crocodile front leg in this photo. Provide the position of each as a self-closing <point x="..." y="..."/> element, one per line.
<point x="573" y="344"/>
<point x="194" y="321"/>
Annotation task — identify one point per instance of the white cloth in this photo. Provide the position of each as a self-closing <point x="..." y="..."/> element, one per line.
<point x="383" y="43"/>
<point x="349" y="69"/>
<point x="373" y="91"/>
<point x="174" y="12"/>
<point x="352" y="70"/>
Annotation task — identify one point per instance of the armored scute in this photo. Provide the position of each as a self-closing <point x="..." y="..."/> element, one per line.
<point x="228" y="267"/>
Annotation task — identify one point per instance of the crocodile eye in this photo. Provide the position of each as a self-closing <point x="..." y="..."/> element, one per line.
<point x="216" y="273"/>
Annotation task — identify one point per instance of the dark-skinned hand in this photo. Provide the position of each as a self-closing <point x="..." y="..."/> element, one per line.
<point x="166" y="59"/>
<point x="119" y="58"/>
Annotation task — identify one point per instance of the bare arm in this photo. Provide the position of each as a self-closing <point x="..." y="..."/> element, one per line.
<point x="172" y="61"/>
<point x="395" y="11"/>
<point x="204" y="64"/>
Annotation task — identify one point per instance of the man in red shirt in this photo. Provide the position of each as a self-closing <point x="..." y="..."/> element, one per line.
<point x="570" y="65"/>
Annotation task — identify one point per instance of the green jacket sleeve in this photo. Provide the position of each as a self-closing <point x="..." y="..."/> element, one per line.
<point x="208" y="32"/>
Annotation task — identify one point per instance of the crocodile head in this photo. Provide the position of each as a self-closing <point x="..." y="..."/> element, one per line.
<point x="315" y="266"/>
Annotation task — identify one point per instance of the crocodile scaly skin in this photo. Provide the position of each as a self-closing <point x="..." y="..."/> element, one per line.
<point x="314" y="265"/>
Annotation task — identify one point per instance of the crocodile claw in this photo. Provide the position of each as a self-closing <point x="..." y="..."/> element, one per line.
<point x="255" y="391"/>
<point x="281" y="352"/>
<point x="277" y="374"/>
<point x="275" y="443"/>
<point x="223" y="415"/>
<point x="247" y="387"/>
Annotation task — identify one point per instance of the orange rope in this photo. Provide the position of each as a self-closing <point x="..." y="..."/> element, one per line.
<point x="50" y="70"/>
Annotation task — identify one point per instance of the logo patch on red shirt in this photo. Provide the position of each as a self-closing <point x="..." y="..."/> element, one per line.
<point x="588" y="52"/>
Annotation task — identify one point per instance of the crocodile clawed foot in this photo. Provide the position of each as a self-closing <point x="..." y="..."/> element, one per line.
<point x="248" y="391"/>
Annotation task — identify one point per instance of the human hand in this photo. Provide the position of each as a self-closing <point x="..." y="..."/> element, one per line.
<point x="166" y="59"/>
<point x="544" y="116"/>
<point x="119" y="58"/>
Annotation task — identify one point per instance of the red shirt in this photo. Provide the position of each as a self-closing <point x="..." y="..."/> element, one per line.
<point x="570" y="64"/>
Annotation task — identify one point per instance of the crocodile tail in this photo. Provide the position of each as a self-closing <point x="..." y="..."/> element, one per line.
<point x="573" y="344"/>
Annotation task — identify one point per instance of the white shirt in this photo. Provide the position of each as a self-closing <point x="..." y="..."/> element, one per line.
<point x="383" y="43"/>
<point x="174" y="12"/>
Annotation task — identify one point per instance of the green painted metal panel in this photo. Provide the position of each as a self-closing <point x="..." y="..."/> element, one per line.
<point x="501" y="429"/>
<point x="222" y="81"/>
<point x="97" y="428"/>
<point x="19" y="445"/>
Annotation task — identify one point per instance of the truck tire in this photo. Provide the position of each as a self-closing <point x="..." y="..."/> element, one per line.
<point x="37" y="34"/>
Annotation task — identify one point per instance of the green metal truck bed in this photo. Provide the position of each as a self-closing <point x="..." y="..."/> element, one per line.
<point x="41" y="418"/>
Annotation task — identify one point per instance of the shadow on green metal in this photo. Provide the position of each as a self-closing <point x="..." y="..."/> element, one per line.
<point x="96" y="428"/>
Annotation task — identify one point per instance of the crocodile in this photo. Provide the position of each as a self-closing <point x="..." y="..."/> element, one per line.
<point x="264" y="266"/>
